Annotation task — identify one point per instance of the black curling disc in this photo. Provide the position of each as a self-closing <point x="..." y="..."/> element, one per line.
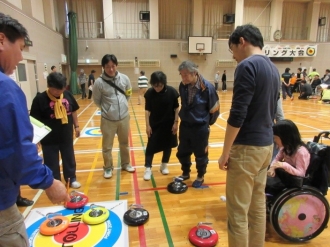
<point x="136" y="216"/>
<point x="177" y="187"/>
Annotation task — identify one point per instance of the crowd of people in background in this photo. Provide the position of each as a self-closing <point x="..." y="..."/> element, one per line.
<point x="308" y="86"/>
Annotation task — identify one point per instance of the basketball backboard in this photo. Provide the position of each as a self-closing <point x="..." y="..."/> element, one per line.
<point x="200" y="44"/>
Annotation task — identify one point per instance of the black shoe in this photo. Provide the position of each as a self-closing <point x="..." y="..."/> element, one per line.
<point x="197" y="183"/>
<point x="184" y="176"/>
<point x="23" y="202"/>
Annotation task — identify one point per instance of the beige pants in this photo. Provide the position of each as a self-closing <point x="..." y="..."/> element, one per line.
<point x="245" y="193"/>
<point x="142" y="91"/>
<point x="12" y="228"/>
<point x="109" y="129"/>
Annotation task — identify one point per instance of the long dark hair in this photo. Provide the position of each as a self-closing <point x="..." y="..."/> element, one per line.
<point x="289" y="134"/>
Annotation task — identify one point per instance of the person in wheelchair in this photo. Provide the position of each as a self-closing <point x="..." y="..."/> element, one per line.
<point x="293" y="157"/>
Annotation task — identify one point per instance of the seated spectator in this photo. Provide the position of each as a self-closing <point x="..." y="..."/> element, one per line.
<point x="305" y="90"/>
<point x="316" y="82"/>
<point x="293" y="156"/>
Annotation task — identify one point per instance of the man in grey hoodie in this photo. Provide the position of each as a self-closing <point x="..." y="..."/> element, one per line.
<point x="111" y="93"/>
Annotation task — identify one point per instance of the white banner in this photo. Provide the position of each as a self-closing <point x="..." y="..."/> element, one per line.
<point x="290" y="50"/>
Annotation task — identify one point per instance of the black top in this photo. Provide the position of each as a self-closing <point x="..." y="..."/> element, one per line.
<point x="91" y="78"/>
<point x="42" y="109"/>
<point x="255" y="94"/>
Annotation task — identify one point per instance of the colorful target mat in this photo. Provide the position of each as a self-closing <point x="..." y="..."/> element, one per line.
<point x="112" y="232"/>
<point x="92" y="132"/>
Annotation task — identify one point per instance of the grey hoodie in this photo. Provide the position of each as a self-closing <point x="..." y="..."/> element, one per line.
<point x="113" y="104"/>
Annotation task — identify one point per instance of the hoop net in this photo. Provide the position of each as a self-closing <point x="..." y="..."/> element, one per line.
<point x="200" y="51"/>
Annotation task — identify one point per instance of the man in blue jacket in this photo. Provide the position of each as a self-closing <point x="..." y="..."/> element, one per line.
<point x="199" y="109"/>
<point x="19" y="160"/>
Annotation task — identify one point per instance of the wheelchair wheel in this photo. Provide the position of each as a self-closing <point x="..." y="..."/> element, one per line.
<point x="299" y="215"/>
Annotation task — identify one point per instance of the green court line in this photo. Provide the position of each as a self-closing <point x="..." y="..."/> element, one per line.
<point x="159" y="203"/>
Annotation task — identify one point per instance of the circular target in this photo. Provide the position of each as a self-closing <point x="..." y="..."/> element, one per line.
<point x="310" y="51"/>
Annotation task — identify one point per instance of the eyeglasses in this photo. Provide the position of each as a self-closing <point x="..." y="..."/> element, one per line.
<point x="230" y="50"/>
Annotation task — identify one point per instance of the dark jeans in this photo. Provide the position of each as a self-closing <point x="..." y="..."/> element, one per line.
<point x="83" y="91"/>
<point x="165" y="158"/>
<point x="224" y="85"/>
<point x="286" y="91"/>
<point x="51" y="159"/>
<point x="193" y="140"/>
<point x="216" y="86"/>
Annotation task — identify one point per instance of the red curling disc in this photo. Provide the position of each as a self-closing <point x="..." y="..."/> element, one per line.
<point x="203" y="236"/>
<point x="77" y="201"/>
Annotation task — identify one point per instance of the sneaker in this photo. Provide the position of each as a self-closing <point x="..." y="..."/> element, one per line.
<point x="184" y="176"/>
<point x="147" y="174"/>
<point x="23" y="202"/>
<point x="163" y="169"/>
<point x="107" y="173"/>
<point x="75" y="185"/>
<point x="198" y="182"/>
<point x="128" y="168"/>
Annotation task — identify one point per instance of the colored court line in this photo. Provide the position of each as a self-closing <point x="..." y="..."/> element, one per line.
<point x="142" y="235"/>
<point x="159" y="203"/>
<point x="165" y="188"/>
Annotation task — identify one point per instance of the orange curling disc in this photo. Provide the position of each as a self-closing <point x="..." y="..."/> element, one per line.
<point x="78" y="200"/>
<point x="54" y="225"/>
<point x="203" y="236"/>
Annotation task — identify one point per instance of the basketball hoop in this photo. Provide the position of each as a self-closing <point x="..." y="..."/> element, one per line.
<point x="200" y="51"/>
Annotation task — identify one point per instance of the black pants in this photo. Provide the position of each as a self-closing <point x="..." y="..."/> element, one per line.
<point x="193" y="140"/>
<point x="90" y="92"/>
<point x="83" y="91"/>
<point x="51" y="159"/>
<point x="165" y="158"/>
<point x="216" y="86"/>
<point x="224" y="85"/>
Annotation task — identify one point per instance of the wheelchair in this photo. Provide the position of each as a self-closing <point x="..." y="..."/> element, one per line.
<point x="301" y="212"/>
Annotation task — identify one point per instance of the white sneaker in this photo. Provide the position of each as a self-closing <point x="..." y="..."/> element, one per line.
<point x="147" y="174"/>
<point x="163" y="169"/>
<point x="128" y="168"/>
<point x="107" y="173"/>
<point x="75" y="185"/>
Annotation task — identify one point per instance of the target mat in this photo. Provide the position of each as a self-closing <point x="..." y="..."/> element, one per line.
<point x="112" y="232"/>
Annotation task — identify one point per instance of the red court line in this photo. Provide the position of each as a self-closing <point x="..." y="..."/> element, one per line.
<point x="142" y="235"/>
<point x="165" y="188"/>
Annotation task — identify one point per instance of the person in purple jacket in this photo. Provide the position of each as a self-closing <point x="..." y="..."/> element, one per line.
<point x="248" y="144"/>
<point x="19" y="160"/>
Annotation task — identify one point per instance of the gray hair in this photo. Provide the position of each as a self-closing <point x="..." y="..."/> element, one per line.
<point x="188" y="65"/>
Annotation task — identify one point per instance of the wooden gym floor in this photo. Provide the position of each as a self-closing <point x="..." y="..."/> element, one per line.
<point x="172" y="216"/>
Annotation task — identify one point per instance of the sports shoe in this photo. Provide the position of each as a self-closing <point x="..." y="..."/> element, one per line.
<point x="184" y="176"/>
<point x="147" y="174"/>
<point x="198" y="182"/>
<point x="75" y="185"/>
<point x="128" y="168"/>
<point x="23" y="202"/>
<point x="163" y="169"/>
<point x="107" y="173"/>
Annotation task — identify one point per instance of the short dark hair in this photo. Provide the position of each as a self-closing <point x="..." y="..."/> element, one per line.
<point x="142" y="72"/>
<point x="327" y="70"/>
<point x="287" y="70"/>
<point x="289" y="134"/>
<point x="249" y="33"/>
<point x="12" y="28"/>
<point x="303" y="81"/>
<point x="56" y="80"/>
<point x="93" y="71"/>
<point x="52" y="67"/>
<point x="107" y="58"/>
<point x="299" y="69"/>
<point x="158" y="77"/>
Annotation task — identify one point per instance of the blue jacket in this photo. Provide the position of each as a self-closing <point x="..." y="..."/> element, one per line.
<point x="19" y="160"/>
<point x="198" y="112"/>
